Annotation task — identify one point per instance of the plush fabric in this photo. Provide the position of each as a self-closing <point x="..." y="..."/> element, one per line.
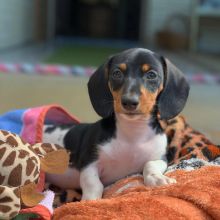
<point x="28" y="124"/>
<point x="20" y="165"/>
<point x="195" y="196"/>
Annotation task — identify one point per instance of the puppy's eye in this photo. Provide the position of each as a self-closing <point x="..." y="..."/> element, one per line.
<point x="151" y="75"/>
<point x="117" y="74"/>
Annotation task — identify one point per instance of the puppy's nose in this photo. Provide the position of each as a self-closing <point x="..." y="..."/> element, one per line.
<point x="130" y="103"/>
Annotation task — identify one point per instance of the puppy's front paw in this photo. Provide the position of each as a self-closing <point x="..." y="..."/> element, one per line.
<point x="91" y="196"/>
<point x="93" y="193"/>
<point x="157" y="180"/>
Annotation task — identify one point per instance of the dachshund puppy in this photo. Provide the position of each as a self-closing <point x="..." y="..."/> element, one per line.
<point x="131" y="91"/>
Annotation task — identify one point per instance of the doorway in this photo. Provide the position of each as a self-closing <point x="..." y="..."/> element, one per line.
<point x="109" y="19"/>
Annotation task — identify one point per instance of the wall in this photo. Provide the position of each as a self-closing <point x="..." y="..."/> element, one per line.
<point x="16" y="22"/>
<point x="209" y="35"/>
<point x="155" y="14"/>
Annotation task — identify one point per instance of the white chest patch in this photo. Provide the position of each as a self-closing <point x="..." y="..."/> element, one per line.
<point x="129" y="151"/>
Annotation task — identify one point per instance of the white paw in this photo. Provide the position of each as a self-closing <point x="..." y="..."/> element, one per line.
<point x="157" y="180"/>
<point x="91" y="196"/>
<point x="93" y="193"/>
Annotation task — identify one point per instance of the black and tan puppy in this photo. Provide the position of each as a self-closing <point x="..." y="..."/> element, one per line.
<point x="130" y="91"/>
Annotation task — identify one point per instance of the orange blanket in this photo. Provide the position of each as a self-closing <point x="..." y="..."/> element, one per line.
<point x="196" y="195"/>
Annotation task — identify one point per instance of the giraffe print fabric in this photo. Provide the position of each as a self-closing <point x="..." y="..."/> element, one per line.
<point x="16" y="156"/>
<point x="20" y="165"/>
<point x="26" y="159"/>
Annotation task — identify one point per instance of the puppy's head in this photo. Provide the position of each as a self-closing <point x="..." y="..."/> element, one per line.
<point x="136" y="81"/>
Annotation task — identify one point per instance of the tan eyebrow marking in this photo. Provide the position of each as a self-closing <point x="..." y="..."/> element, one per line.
<point x="145" y="67"/>
<point x="122" y="66"/>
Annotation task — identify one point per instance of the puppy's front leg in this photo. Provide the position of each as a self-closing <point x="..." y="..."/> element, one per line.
<point x="153" y="173"/>
<point x="91" y="186"/>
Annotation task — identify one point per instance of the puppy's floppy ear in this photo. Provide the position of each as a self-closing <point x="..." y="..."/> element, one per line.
<point x="99" y="92"/>
<point x="175" y="92"/>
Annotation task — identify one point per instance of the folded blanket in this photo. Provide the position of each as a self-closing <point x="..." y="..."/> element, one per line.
<point x="28" y="123"/>
<point x="195" y="196"/>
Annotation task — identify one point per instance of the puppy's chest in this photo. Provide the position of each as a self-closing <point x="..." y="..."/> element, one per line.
<point x="120" y="157"/>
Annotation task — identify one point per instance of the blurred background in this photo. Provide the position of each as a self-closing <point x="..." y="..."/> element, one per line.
<point x="49" y="48"/>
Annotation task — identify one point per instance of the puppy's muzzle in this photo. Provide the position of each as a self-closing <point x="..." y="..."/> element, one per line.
<point x="130" y="103"/>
